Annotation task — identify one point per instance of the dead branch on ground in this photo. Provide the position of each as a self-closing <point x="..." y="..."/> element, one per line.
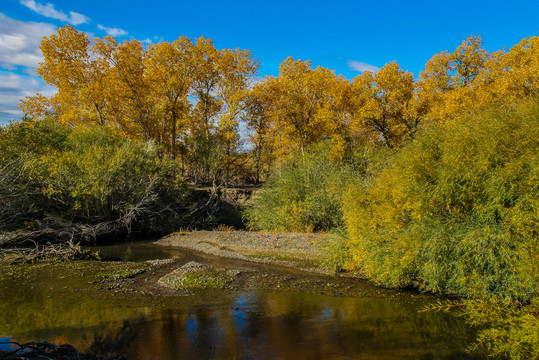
<point x="67" y="251"/>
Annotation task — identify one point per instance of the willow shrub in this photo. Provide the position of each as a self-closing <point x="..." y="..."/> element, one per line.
<point x="457" y="212"/>
<point x="305" y="196"/>
<point x="86" y="176"/>
<point x="457" y="209"/>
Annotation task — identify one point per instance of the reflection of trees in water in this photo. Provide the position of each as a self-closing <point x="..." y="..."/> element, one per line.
<point x="110" y="345"/>
<point x="56" y="306"/>
<point x="227" y="324"/>
<point x="302" y="326"/>
<point x="268" y="325"/>
<point x="113" y="343"/>
<point x="105" y="344"/>
<point x="285" y="325"/>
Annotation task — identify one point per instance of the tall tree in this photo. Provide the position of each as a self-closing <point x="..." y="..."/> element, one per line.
<point x="170" y="69"/>
<point x="237" y="67"/>
<point x="384" y="103"/>
<point x="512" y="75"/>
<point x="72" y="68"/>
<point x="296" y="100"/>
<point x="259" y="123"/>
<point x="447" y="83"/>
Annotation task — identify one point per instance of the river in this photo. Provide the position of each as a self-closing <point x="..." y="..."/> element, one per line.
<point x="52" y="304"/>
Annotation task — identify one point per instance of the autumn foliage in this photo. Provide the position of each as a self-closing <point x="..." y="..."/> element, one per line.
<point x="206" y="108"/>
<point x="185" y="96"/>
<point x="436" y="175"/>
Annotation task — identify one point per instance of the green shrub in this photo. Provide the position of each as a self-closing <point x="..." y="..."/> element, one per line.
<point x="457" y="212"/>
<point x="334" y="252"/>
<point x="87" y="177"/>
<point x="21" y="199"/>
<point x="305" y="196"/>
<point x="457" y="209"/>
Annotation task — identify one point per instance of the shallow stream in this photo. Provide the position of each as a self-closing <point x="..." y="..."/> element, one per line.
<point x="63" y="305"/>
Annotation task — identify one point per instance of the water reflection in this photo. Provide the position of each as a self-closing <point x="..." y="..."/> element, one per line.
<point x="271" y="325"/>
<point x="136" y="251"/>
<point x="225" y="324"/>
<point x="300" y="326"/>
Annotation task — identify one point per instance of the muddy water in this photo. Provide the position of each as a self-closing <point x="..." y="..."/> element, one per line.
<point x="59" y="304"/>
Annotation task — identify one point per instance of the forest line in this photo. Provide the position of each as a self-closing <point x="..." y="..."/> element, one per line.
<point x="199" y="102"/>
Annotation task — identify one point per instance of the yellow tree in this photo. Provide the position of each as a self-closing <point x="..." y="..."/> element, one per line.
<point x="447" y="85"/>
<point x="100" y="84"/>
<point x="135" y="102"/>
<point x="204" y="85"/>
<point x="237" y="68"/>
<point x="338" y="114"/>
<point x="217" y="92"/>
<point x="37" y="106"/>
<point x="296" y="100"/>
<point x="258" y="119"/>
<point x="77" y="73"/>
<point x="203" y="156"/>
<point x="512" y="75"/>
<point x="170" y="69"/>
<point x="385" y="103"/>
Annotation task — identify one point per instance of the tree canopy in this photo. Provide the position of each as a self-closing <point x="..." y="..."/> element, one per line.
<point x="207" y="109"/>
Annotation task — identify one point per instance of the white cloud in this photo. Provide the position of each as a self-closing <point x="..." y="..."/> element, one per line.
<point x="19" y="57"/>
<point x="14" y="87"/>
<point x="49" y="11"/>
<point x="112" y="31"/>
<point x="147" y="41"/>
<point x="12" y="81"/>
<point x="77" y="19"/>
<point x="361" y="66"/>
<point x="19" y="42"/>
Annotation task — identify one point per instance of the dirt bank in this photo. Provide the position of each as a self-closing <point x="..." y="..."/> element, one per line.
<point x="297" y="250"/>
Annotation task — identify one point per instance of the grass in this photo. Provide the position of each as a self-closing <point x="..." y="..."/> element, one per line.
<point x="197" y="279"/>
<point x="123" y="271"/>
<point x="207" y="279"/>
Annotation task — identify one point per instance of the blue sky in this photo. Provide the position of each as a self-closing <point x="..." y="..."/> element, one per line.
<point x="345" y="36"/>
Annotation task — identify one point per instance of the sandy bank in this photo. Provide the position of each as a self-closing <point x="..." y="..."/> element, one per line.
<point x="296" y="250"/>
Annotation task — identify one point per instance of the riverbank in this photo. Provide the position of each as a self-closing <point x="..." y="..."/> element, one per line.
<point x="229" y="260"/>
<point x="303" y="251"/>
<point x="214" y="260"/>
<point x="238" y="261"/>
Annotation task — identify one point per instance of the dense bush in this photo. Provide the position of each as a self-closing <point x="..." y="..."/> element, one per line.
<point x="52" y="173"/>
<point x="456" y="211"/>
<point x="305" y="196"/>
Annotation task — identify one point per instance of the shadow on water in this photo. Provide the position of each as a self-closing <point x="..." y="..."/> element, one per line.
<point x="139" y="251"/>
<point x="255" y="324"/>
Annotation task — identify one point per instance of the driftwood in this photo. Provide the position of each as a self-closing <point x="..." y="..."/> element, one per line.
<point x="53" y="229"/>
<point x="44" y="350"/>
<point x="67" y="251"/>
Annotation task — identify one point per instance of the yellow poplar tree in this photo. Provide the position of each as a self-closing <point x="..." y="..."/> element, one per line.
<point x="170" y="69"/>
<point x="237" y="67"/>
<point x="70" y="67"/>
<point x="297" y="100"/>
<point x="384" y="103"/>
<point x="259" y="122"/>
<point x="446" y="85"/>
<point x="512" y="75"/>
